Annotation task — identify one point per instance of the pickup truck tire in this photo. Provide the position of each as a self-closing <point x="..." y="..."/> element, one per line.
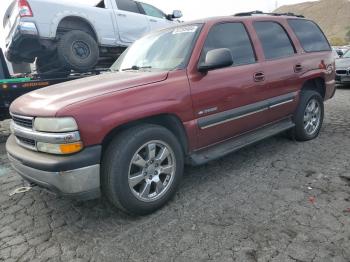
<point x="309" y="116"/>
<point x="142" y="168"/>
<point x="78" y="50"/>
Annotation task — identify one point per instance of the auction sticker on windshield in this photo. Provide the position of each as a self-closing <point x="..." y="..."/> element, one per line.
<point x="185" y="29"/>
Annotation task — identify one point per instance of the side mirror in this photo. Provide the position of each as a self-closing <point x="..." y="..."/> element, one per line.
<point x="176" y="14"/>
<point x="215" y="59"/>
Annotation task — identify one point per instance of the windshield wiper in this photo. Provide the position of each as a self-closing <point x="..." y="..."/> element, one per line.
<point x="136" y="68"/>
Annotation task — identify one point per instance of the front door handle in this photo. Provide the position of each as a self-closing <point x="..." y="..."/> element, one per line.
<point x="259" y="77"/>
<point x="298" y="68"/>
<point x="122" y="15"/>
<point x="152" y="20"/>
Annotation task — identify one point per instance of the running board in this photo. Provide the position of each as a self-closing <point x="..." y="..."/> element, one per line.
<point x="203" y="156"/>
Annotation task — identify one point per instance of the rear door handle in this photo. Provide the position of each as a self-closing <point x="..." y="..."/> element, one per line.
<point x="122" y="15"/>
<point x="259" y="77"/>
<point x="298" y="68"/>
<point x="152" y="20"/>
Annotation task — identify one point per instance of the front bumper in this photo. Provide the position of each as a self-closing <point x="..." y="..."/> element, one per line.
<point x="22" y="40"/>
<point x="342" y="79"/>
<point x="76" y="176"/>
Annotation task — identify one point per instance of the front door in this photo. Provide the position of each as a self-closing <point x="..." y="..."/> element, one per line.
<point x="232" y="100"/>
<point x="157" y="19"/>
<point x="132" y="24"/>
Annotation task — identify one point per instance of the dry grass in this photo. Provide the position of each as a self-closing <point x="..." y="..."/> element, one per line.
<point x="332" y="15"/>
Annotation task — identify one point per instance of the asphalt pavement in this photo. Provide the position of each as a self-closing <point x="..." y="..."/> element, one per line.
<point x="277" y="201"/>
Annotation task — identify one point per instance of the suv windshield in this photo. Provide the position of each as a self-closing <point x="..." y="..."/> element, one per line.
<point x="164" y="50"/>
<point x="346" y="55"/>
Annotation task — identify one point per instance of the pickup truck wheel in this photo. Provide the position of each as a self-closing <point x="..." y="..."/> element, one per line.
<point x="78" y="51"/>
<point x="309" y="116"/>
<point x="142" y="168"/>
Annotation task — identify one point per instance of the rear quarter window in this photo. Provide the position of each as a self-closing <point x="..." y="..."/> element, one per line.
<point x="310" y="35"/>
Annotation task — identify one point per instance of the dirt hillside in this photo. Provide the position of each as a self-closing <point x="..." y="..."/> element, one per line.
<point x="332" y="15"/>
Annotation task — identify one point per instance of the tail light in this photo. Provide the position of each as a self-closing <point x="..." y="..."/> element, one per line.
<point x="24" y="8"/>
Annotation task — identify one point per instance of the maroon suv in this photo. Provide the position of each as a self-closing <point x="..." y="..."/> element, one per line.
<point x="188" y="94"/>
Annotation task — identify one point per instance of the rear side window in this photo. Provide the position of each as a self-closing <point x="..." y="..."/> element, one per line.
<point x="128" y="5"/>
<point x="274" y="39"/>
<point x="234" y="37"/>
<point x="310" y="35"/>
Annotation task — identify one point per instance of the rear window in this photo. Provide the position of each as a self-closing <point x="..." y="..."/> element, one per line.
<point x="310" y="35"/>
<point x="274" y="39"/>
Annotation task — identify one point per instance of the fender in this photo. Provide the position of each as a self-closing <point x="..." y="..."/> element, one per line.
<point x="133" y="104"/>
<point x="328" y="77"/>
<point x="132" y="115"/>
<point x="80" y="15"/>
<point x="314" y="73"/>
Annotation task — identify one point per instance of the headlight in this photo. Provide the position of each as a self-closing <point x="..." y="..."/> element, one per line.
<point x="59" y="149"/>
<point x="55" y="125"/>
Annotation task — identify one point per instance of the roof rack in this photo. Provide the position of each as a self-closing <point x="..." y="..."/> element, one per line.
<point x="257" y="12"/>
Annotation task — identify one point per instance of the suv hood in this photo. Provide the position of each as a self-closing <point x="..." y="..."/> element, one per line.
<point x="47" y="101"/>
<point x="342" y="63"/>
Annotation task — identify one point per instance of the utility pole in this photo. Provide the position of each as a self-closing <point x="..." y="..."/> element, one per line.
<point x="276" y="5"/>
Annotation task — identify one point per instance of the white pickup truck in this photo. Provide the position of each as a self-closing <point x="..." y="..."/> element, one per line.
<point x="63" y="35"/>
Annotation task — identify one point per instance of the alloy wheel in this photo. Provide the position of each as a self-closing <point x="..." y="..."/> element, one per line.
<point x="151" y="171"/>
<point x="312" y="117"/>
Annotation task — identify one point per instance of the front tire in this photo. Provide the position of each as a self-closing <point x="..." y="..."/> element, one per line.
<point x="142" y="168"/>
<point x="309" y="116"/>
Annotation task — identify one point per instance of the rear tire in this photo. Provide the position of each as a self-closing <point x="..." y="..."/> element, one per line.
<point x="78" y="51"/>
<point x="309" y="116"/>
<point x="142" y="168"/>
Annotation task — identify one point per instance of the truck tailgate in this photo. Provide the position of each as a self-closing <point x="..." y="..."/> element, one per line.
<point x="10" y="19"/>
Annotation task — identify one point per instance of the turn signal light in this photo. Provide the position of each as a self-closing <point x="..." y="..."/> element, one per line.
<point x="60" y="149"/>
<point x="71" y="148"/>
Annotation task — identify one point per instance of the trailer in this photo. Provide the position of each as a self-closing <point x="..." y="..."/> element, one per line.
<point x="13" y="87"/>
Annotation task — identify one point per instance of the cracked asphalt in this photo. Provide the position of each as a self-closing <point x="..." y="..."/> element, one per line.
<point x="279" y="200"/>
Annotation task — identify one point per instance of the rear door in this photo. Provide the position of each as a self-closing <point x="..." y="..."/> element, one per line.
<point x="282" y="68"/>
<point x="231" y="100"/>
<point x="156" y="17"/>
<point x="132" y="24"/>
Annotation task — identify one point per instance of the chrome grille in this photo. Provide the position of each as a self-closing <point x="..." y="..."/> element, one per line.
<point x="341" y="72"/>
<point x="26" y="141"/>
<point x="26" y="136"/>
<point x="23" y="121"/>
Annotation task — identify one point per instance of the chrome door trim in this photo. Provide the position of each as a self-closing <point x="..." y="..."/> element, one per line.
<point x="244" y="111"/>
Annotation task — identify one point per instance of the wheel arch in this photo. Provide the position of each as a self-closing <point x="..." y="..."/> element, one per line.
<point x="317" y="84"/>
<point x="169" y="121"/>
<point x="75" y="22"/>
